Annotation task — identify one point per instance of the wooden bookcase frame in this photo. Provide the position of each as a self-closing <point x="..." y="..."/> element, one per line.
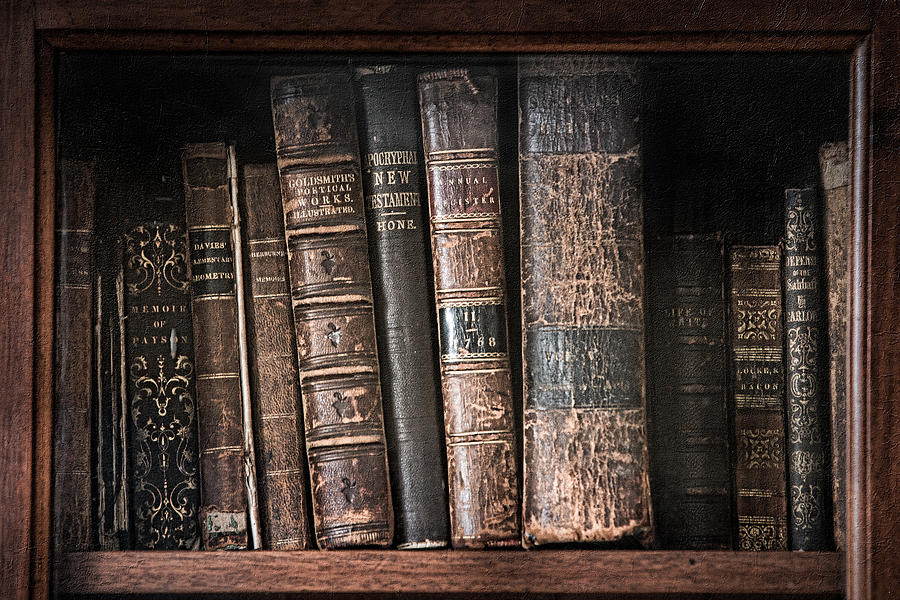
<point x="34" y="31"/>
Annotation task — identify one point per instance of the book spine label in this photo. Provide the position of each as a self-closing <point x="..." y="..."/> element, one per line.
<point x="459" y="124"/>
<point x="162" y="417"/>
<point x="582" y="300"/>
<point x="809" y="519"/>
<point x="834" y="162"/>
<point x="687" y="393"/>
<point x="276" y="391"/>
<point x="73" y="353"/>
<point x="757" y="397"/>
<point x="223" y="515"/>
<point x="331" y="289"/>
<point x="391" y="164"/>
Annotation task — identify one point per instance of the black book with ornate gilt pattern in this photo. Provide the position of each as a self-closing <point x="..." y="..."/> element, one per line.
<point x="162" y="419"/>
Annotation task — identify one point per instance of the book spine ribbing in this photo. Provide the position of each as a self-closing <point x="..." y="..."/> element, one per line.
<point x="210" y="217"/>
<point x="834" y="162"/>
<point x="71" y="529"/>
<point x="459" y="124"/>
<point x="809" y="520"/>
<point x="687" y="393"/>
<point x="276" y="387"/>
<point x="163" y="463"/>
<point x="331" y="290"/>
<point x="582" y="300"/>
<point x="391" y="163"/>
<point x="757" y="397"/>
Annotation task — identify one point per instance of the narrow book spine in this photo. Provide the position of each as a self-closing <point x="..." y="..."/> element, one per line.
<point x="73" y="354"/>
<point x="582" y="300"/>
<point x="276" y="389"/>
<point x="835" y="167"/>
<point x="687" y="393"/>
<point x="331" y="290"/>
<point x="223" y="514"/>
<point x="391" y="160"/>
<point x="162" y="414"/>
<point x="757" y="397"/>
<point x="459" y="124"/>
<point x="809" y="519"/>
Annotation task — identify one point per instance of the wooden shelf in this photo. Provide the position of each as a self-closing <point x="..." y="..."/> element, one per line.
<point x="453" y="572"/>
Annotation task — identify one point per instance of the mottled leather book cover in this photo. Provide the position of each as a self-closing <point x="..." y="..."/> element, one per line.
<point x="392" y="159"/>
<point x="687" y="393"/>
<point x="757" y="399"/>
<point x="459" y="125"/>
<point x="331" y="290"/>
<point x="164" y="468"/>
<point x="223" y="514"/>
<point x="806" y="340"/>
<point x="834" y="163"/>
<point x="586" y="469"/>
<point x="72" y="357"/>
<point x="281" y="464"/>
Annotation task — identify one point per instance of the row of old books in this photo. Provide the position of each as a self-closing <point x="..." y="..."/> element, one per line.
<point x="277" y="368"/>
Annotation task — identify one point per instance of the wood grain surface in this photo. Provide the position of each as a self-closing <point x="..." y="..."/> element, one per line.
<point x="464" y="572"/>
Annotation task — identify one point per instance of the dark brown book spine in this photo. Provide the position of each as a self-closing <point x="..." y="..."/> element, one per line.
<point x="757" y="397"/>
<point x="687" y="393"/>
<point x="809" y="517"/>
<point x="159" y="349"/>
<point x="392" y="158"/>
<point x="223" y="514"/>
<point x="276" y="386"/>
<point x="331" y="289"/>
<point x="459" y="124"/>
<point x="835" y="166"/>
<point x="582" y="300"/>
<point x="73" y="354"/>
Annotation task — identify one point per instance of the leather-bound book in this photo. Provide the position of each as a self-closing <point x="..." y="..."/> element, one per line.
<point x="586" y="469"/>
<point x="806" y="340"/>
<point x="331" y="290"/>
<point x="757" y="396"/>
<point x="162" y="416"/>
<point x="834" y="162"/>
<point x="687" y="393"/>
<point x="391" y="163"/>
<point x="276" y="387"/>
<point x="73" y="353"/>
<point x="459" y="124"/>
<point x="214" y="303"/>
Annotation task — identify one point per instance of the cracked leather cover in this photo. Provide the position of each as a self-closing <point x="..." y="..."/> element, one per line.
<point x="223" y="511"/>
<point x="585" y="468"/>
<point x="459" y="125"/>
<point x="331" y="290"/>
<point x="278" y="426"/>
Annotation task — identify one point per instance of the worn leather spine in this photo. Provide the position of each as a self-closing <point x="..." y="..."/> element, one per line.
<point x="391" y="162"/>
<point x="687" y="394"/>
<point x="72" y="357"/>
<point x="111" y="402"/>
<point x="281" y="466"/>
<point x="223" y="514"/>
<point x="757" y="399"/>
<point x="164" y="468"/>
<point x="834" y="163"/>
<point x="331" y="290"/>
<point x="459" y="124"/>
<point x="809" y="517"/>
<point x="586" y="468"/>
